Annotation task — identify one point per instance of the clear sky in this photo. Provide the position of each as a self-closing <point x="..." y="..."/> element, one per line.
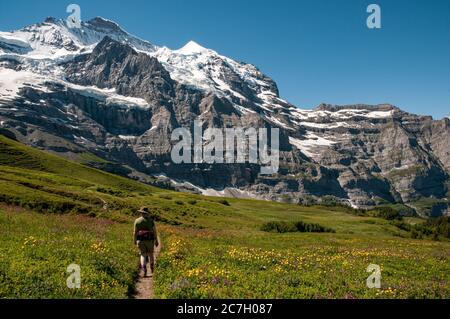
<point x="318" y="51"/>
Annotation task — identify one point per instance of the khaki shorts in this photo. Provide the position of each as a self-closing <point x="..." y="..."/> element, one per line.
<point x="146" y="247"/>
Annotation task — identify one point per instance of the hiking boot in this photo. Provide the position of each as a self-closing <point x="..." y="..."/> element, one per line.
<point x="142" y="270"/>
<point x="152" y="267"/>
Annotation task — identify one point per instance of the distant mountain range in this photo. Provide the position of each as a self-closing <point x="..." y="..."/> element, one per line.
<point x="100" y="90"/>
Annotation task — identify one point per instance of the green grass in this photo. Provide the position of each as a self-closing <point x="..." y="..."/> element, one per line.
<point x="37" y="249"/>
<point x="55" y="212"/>
<point x="89" y="158"/>
<point x="237" y="260"/>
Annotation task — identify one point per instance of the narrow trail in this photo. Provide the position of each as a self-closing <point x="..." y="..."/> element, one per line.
<point x="144" y="286"/>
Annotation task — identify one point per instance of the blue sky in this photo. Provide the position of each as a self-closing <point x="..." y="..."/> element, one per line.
<point x="316" y="50"/>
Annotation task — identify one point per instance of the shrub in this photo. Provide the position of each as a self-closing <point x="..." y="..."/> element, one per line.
<point x="279" y="227"/>
<point x="416" y="235"/>
<point x="440" y="225"/>
<point x="387" y="213"/>
<point x="290" y="227"/>
<point x="312" y="228"/>
<point x="431" y="228"/>
<point x="402" y="225"/>
<point x="224" y="202"/>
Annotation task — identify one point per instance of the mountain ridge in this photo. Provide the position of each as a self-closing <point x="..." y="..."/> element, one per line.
<point x="120" y="97"/>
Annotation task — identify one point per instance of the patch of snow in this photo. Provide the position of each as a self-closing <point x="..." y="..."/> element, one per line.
<point x="244" y="110"/>
<point x="341" y="115"/>
<point x="279" y="123"/>
<point x="268" y="109"/>
<point x="402" y="167"/>
<point x="310" y="146"/>
<point x="127" y="137"/>
<point x="299" y="114"/>
<point x="352" y="204"/>
<point x="230" y="192"/>
<point x="12" y="81"/>
<point x="10" y="39"/>
<point x="127" y="101"/>
<point x="380" y="114"/>
<point x="299" y="145"/>
<point x="315" y="140"/>
<point x="108" y="95"/>
<point x="323" y="125"/>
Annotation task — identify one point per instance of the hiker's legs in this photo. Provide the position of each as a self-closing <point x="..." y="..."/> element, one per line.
<point x="151" y="254"/>
<point x="144" y="261"/>
<point x="152" y="261"/>
<point x="146" y="249"/>
<point x="143" y="250"/>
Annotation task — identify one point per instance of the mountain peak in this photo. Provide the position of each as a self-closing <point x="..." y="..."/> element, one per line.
<point x="51" y="20"/>
<point x="102" y="24"/>
<point x="192" y="47"/>
<point x="113" y="48"/>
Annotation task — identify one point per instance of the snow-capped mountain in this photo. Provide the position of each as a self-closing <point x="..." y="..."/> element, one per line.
<point x="102" y="90"/>
<point x="53" y="38"/>
<point x="192" y="65"/>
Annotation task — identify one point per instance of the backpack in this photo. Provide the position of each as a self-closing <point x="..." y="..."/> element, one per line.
<point x="145" y="235"/>
<point x="147" y="231"/>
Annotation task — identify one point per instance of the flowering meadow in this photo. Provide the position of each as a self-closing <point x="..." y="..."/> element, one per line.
<point x="247" y="263"/>
<point x="36" y="251"/>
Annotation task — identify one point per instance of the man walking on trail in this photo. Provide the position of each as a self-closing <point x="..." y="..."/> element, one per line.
<point x="146" y="238"/>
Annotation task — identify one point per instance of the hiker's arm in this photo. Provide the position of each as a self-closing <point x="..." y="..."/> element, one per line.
<point x="156" y="235"/>
<point x="135" y="234"/>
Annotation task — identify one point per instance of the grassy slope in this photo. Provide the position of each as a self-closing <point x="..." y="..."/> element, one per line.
<point x="36" y="250"/>
<point x="211" y="249"/>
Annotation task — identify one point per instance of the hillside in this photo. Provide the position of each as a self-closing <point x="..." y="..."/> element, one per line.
<point x="54" y="212"/>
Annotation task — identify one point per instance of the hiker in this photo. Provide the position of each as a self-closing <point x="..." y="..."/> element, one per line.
<point x="146" y="238"/>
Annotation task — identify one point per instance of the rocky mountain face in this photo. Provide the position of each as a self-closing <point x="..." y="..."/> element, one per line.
<point x="103" y="91"/>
